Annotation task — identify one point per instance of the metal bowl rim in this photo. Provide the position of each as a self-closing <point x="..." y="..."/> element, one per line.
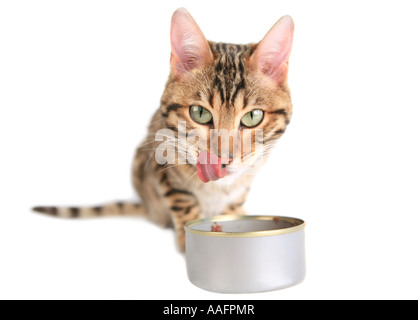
<point x="298" y="225"/>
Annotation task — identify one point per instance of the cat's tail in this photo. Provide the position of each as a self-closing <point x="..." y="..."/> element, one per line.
<point x="111" y="209"/>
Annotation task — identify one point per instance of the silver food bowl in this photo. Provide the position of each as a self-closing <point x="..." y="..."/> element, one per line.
<point x="245" y="254"/>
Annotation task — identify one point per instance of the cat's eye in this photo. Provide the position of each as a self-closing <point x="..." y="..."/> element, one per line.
<point x="252" y="118"/>
<point x="200" y="114"/>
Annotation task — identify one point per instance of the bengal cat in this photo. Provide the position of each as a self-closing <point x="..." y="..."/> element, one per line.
<point x="212" y="88"/>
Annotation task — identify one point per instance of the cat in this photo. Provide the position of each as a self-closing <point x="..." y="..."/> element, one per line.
<point x="211" y="86"/>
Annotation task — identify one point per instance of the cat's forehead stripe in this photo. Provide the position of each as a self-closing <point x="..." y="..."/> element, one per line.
<point x="230" y="71"/>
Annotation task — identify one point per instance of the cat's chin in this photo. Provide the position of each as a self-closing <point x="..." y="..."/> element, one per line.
<point x="232" y="176"/>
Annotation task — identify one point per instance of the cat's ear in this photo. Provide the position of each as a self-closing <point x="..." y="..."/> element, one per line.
<point x="271" y="56"/>
<point x="189" y="47"/>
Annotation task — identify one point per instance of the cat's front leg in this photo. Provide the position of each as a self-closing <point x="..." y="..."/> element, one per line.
<point x="184" y="207"/>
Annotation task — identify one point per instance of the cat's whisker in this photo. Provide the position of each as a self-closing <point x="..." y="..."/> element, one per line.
<point x="149" y="158"/>
<point x="257" y="154"/>
<point x="171" y="166"/>
<point x="192" y="174"/>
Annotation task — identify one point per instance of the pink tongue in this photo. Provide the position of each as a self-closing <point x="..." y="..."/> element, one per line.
<point x="209" y="167"/>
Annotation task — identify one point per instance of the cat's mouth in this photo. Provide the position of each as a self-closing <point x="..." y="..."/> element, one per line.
<point x="209" y="167"/>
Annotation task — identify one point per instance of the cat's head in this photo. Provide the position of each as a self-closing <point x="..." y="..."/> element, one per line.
<point x="220" y="92"/>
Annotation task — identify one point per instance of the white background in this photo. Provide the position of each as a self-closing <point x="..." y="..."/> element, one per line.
<point x="79" y="81"/>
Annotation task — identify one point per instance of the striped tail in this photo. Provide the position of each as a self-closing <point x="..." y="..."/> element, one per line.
<point x="111" y="209"/>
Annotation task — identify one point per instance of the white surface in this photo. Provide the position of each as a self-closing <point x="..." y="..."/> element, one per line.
<point x="79" y="81"/>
